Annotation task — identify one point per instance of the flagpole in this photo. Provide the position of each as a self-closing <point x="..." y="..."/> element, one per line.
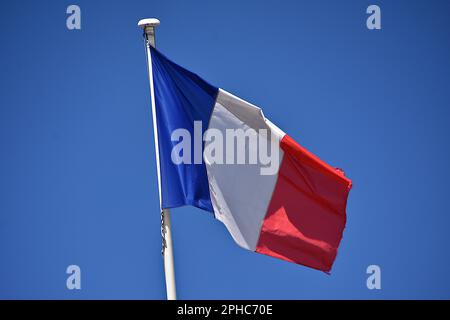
<point x="149" y="26"/>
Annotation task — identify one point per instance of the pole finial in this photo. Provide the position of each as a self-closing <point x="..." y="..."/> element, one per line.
<point x="149" y="22"/>
<point x="149" y="26"/>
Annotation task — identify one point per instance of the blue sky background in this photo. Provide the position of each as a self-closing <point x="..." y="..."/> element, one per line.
<point x="77" y="170"/>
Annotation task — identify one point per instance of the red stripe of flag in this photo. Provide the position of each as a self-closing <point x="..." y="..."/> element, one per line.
<point x="306" y="216"/>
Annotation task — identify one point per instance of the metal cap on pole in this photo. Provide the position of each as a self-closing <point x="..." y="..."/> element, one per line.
<point x="149" y="26"/>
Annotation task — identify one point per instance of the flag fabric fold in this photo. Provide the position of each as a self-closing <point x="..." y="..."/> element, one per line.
<point x="294" y="210"/>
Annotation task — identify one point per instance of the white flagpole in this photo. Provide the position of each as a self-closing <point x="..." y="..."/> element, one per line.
<point x="167" y="247"/>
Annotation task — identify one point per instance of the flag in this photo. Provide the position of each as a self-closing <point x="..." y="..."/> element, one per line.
<point x="219" y="153"/>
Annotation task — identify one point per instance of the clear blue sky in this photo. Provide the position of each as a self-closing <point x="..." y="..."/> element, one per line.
<point x="78" y="183"/>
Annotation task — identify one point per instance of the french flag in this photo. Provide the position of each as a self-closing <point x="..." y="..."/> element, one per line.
<point x="293" y="208"/>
